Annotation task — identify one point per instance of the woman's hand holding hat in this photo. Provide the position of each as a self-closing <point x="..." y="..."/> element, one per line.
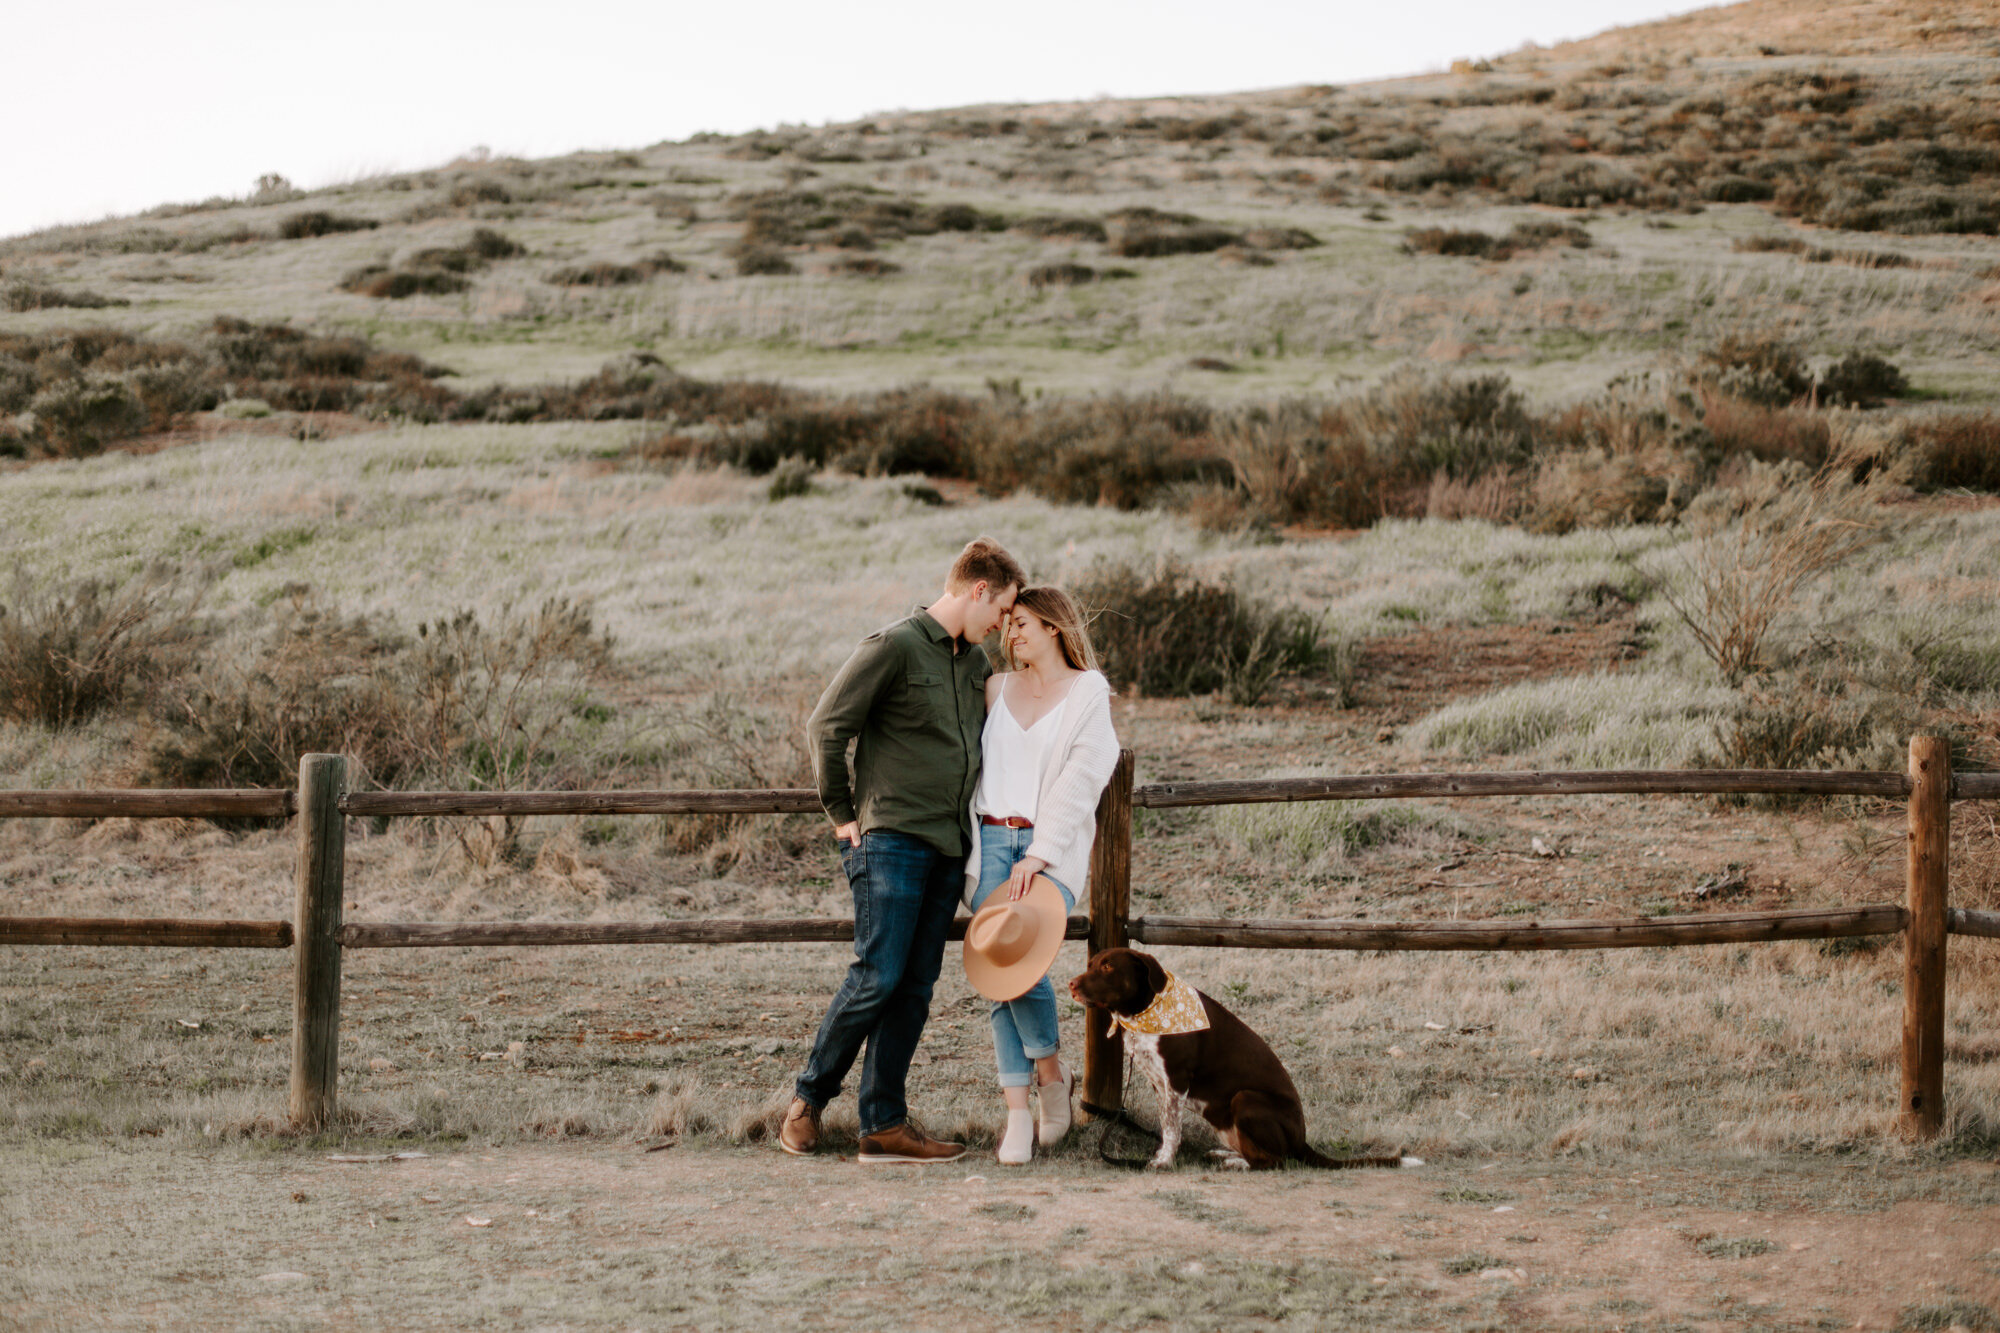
<point x="1022" y="878"/>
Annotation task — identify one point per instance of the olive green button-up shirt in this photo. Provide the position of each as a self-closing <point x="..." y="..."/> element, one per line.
<point x="914" y="708"/>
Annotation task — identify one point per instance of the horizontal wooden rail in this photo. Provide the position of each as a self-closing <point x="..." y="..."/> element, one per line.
<point x="1374" y="786"/>
<point x="705" y="930"/>
<point x="261" y="802"/>
<point x="148" y="803"/>
<point x="154" y="932"/>
<point x="774" y="801"/>
<point x="1586" y="933"/>
<point x="1972" y="921"/>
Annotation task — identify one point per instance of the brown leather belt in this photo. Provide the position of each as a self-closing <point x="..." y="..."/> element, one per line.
<point x="1011" y="821"/>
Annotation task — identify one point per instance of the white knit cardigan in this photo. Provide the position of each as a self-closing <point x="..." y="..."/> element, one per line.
<point x="1075" y="769"/>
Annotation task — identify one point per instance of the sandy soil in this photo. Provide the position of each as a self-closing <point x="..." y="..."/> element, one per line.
<point x="539" y="1237"/>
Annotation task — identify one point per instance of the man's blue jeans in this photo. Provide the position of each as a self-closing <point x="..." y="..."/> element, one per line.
<point x="905" y="895"/>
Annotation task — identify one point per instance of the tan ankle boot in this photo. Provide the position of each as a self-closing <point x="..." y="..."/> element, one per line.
<point x="1053" y="1099"/>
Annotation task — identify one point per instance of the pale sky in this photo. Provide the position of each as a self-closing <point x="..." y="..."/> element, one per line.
<point x="113" y="107"/>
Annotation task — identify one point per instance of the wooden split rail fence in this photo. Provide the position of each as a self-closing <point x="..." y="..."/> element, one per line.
<point x="322" y="805"/>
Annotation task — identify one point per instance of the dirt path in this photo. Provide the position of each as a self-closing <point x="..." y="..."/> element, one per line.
<point x="590" y="1237"/>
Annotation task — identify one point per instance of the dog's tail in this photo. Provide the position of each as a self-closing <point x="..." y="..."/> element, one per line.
<point x="1312" y="1157"/>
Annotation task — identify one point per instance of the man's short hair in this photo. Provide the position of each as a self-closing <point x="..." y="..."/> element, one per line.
<point x="984" y="558"/>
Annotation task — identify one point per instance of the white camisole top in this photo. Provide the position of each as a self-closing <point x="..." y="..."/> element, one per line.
<point x="1010" y="774"/>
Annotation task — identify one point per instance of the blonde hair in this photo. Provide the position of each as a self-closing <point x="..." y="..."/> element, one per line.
<point x="1054" y="608"/>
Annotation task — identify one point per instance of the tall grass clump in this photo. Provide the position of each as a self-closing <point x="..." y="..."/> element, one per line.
<point x="1616" y="720"/>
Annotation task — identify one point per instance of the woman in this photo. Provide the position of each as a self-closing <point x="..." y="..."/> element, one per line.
<point x="1047" y="752"/>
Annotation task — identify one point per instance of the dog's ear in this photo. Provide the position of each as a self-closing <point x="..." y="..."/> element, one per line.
<point x="1156" y="976"/>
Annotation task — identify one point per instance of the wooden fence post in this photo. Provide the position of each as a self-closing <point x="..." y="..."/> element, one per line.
<point x="1110" y="906"/>
<point x="316" y="975"/>
<point x="1922" y="1112"/>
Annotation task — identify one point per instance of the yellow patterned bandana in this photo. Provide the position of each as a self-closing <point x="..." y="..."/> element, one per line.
<point x="1175" y="1010"/>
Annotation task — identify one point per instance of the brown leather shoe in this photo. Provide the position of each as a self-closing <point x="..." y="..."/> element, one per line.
<point x="799" y="1135"/>
<point x="907" y="1143"/>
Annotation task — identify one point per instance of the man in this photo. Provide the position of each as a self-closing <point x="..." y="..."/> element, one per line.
<point x="913" y="698"/>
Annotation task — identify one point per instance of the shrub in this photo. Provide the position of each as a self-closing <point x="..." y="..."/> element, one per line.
<point x="1862" y="380"/>
<point x="1593" y="489"/>
<point x="1148" y="233"/>
<point x="316" y="222"/>
<point x="1167" y="633"/>
<point x="763" y="261"/>
<point x="463" y="704"/>
<point x="82" y="415"/>
<point x="1860" y="258"/>
<point x="863" y="266"/>
<point x="1741" y="427"/>
<point x="1279" y="238"/>
<point x="599" y="274"/>
<point x="1959" y="450"/>
<point x="957" y="217"/>
<point x="479" y="190"/>
<point x="1530" y="235"/>
<point x="21" y="297"/>
<point x="1449" y="241"/>
<point x="382" y="282"/>
<point x="436" y="270"/>
<point x="791" y="477"/>
<point x="1759" y="368"/>
<point x="490" y="245"/>
<point x="1734" y="189"/>
<point x="1061" y="227"/>
<point x="1792" y="725"/>
<point x="1790" y="245"/>
<point x="66" y="656"/>
<point x="1116" y="450"/>
<point x="169" y="389"/>
<point x="603" y="274"/>
<point x="1060" y="275"/>
<point x="1755" y="547"/>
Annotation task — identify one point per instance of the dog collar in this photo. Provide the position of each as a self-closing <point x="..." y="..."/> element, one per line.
<point x="1175" y="1010"/>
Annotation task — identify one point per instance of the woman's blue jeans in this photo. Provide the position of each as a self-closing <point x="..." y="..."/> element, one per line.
<point x="1024" y="1029"/>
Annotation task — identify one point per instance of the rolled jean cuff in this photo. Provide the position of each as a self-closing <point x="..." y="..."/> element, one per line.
<point x="1039" y="1055"/>
<point x="1026" y="1080"/>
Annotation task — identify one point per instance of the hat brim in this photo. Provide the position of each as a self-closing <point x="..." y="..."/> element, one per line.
<point x="1044" y="903"/>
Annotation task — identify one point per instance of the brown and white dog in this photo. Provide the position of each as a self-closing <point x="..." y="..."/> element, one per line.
<point x="1225" y="1071"/>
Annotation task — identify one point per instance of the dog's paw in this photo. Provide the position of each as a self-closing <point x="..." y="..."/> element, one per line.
<point x="1160" y="1164"/>
<point x="1412" y="1161"/>
<point x="1235" y="1163"/>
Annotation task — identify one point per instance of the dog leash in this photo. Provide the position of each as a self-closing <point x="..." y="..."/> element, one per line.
<point x="1114" y="1117"/>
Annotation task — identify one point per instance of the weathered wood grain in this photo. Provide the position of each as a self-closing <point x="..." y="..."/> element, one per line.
<point x="134" y="803"/>
<point x="146" y="932"/>
<point x="1521" y="935"/>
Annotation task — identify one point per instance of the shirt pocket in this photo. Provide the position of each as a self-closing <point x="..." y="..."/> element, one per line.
<point x="929" y="694"/>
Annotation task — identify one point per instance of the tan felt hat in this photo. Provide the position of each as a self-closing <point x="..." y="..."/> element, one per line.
<point x="1009" y="946"/>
